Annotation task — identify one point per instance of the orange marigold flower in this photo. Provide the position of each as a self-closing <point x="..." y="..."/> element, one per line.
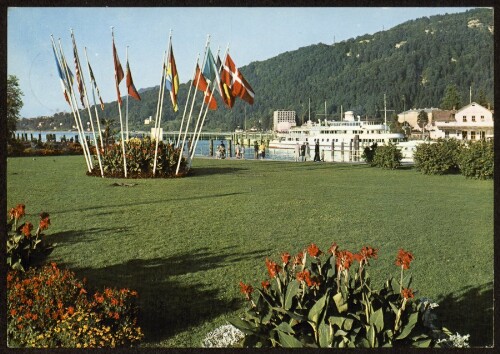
<point x="13" y="312"/>
<point x="407" y="293"/>
<point x="133" y="293"/>
<point x="71" y="310"/>
<point x="246" y="289"/>
<point x="26" y="230"/>
<point x="116" y="316"/>
<point x="404" y="259"/>
<point x="34" y="317"/>
<point x="272" y="268"/>
<point x="313" y="250"/>
<point x="285" y="257"/>
<point x="266" y="284"/>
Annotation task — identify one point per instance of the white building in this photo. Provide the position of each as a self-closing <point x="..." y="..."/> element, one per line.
<point x="283" y="120"/>
<point x="472" y="122"/>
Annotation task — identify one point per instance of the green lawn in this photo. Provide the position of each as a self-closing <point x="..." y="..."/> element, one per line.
<point x="184" y="244"/>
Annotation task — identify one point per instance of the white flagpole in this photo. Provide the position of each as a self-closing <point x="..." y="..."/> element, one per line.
<point x="95" y="104"/>
<point x="197" y="137"/>
<point x="187" y="102"/>
<point x="162" y="83"/>
<point x="76" y="113"/>
<point x="120" y="112"/>
<point x="68" y="83"/>
<point x="88" y="105"/>
<point x="192" y="105"/>
<point x="160" y="101"/>
<point x="126" y="108"/>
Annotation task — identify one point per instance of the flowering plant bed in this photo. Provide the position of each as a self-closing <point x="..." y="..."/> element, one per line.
<point x="140" y="156"/>
<point x="319" y="300"/>
<point x="49" y="308"/>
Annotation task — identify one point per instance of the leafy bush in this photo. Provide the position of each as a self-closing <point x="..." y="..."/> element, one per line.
<point x="369" y="153"/>
<point x="387" y="156"/>
<point x="140" y="160"/>
<point x="441" y="157"/>
<point x="49" y="308"/>
<point x="23" y="248"/>
<point x="477" y="159"/>
<point x="311" y="301"/>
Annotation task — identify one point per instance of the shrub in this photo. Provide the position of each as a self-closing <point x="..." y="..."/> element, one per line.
<point x="49" y="308"/>
<point x="140" y="160"/>
<point x="477" y="160"/>
<point x="369" y="153"/>
<point x="24" y="248"/>
<point x="438" y="158"/>
<point x="311" y="301"/>
<point x="387" y="156"/>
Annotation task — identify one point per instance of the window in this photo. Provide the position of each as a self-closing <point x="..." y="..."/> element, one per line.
<point x="464" y="119"/>
<point x="473" y="118"/>
<point x="482" y="135"/>
<point x="464" y="135"/>
<point x="446" y="134"/>
<point x="472" y="135"/>
<point x="482" y="118"/>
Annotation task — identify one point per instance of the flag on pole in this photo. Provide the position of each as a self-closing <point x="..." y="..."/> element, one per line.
<point x="62" y="79"/>
<point x="130" y="85"/>
<point x="238" y="85"/>
<point x="79" y="82"/>
<point x="172" y="79"/>
<point x="92" y="78"/>
<point x="202" y="85"/>
<point x="223" y="87"/>
<point x="209" y="70"/>
<point x="118" y="72"/>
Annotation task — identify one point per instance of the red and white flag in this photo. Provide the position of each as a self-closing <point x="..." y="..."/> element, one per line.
<point x="238" y="85"/>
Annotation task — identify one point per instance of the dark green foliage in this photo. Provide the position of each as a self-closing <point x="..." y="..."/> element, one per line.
<point x="387" y="156"/>
<point x="438" y="158"/>
<point x="14" y="104"/>
<point x="451" y="99"/>
<point x="369" y="153"/>
<point x="417" y="59"/>
<point x="477" y="159"/>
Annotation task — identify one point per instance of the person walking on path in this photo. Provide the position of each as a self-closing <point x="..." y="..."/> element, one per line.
<point x="256" y="150"/>
<point x="303" y="152"/>
<point x="316" y="151"/>
<point x="308" y="151"/>
<point x="242" y="151"/>
<point x="297" y="152"/>
<point x="237" y="150"/>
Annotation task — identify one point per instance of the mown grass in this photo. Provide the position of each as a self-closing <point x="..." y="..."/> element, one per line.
<point x="184" y="244"/>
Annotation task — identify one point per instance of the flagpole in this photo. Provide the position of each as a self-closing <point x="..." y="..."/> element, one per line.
<point x="76" y="113"/>
<point x="126" y="108"/>
<point x="95" y="104"/>
<point x="88" y="105"/>
<point x="69" y="98"/>
<point x="187" y="102"/>
<point x="160" y="99"/>
<point x="197" y="137"/>
<point x="120" y="112"/>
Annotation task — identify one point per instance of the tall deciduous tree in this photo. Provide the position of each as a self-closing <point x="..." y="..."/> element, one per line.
<point x="451" y="98"/>
<point x="14" y="104"/>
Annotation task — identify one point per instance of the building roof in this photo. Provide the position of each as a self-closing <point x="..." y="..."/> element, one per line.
<point x="443" y="116"/>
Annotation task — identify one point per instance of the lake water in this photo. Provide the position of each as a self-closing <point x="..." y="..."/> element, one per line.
<point x="202" y="148"/>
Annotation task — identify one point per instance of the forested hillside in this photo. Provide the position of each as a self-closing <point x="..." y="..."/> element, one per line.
<point x="412" y="63"/>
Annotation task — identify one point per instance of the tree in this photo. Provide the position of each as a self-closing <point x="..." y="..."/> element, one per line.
<point x="422" y="119"/>
<point x="451" y="98"/>
<point x="14" y="104"/>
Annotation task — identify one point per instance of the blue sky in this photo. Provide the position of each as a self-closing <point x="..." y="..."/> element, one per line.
<point x="253" y="34"/>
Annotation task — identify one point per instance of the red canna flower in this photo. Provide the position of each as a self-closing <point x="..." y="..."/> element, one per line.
<point x="313" y="250"/>
<point x="272" y="268"/>
<point x="407" y="293"/>
<point x="333" y="249"/>
<point x="344" y="259"/>
<point x="266" y="284"/>
<point x="297" y="260"/>
<point x="26" y="230"/>
<point x="302" y="276"/>
<point x="44" y="221"/>
<point x="365" y="254"/>
<point x="404" y="259"/>
<point x="17" y="212"/>
<point x="285" y="257"/>
<point x="246" y="289"/>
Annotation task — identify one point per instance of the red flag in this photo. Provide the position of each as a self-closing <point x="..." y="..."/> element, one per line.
<point x="130" y="85"/>
<point x="79" y="82"/>
<point x="224" y="90"/>
<point x="238" y="85"/>
<point x="118" y="72"/>
<point x="202" y="85"/>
